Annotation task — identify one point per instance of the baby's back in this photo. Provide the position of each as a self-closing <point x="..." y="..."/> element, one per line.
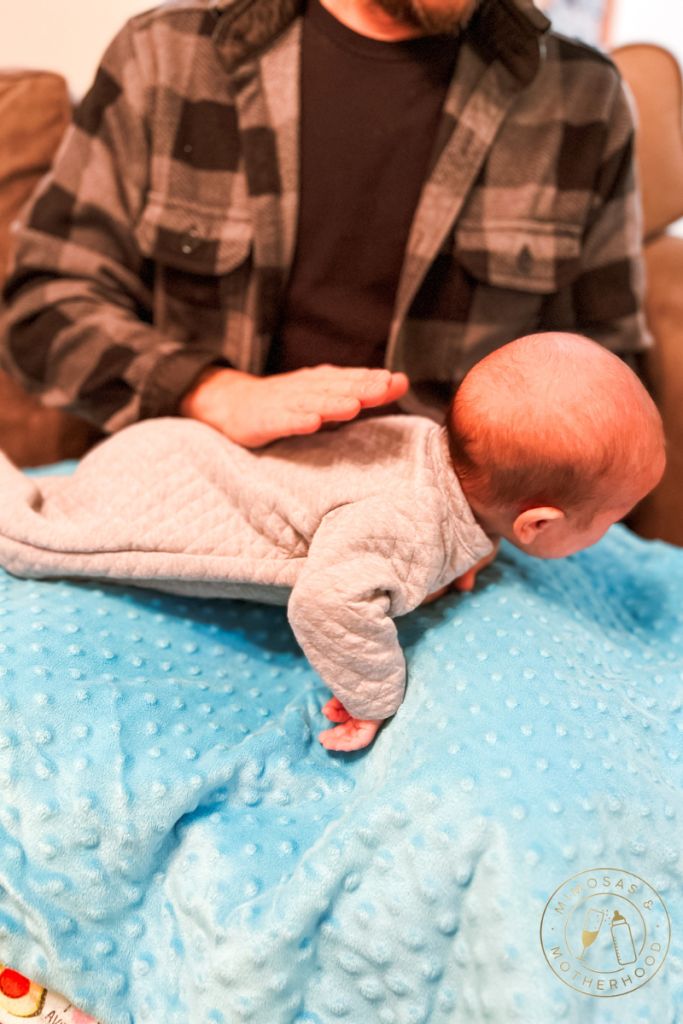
<point x="179" y="485"/>
<point x="362" y="459"/>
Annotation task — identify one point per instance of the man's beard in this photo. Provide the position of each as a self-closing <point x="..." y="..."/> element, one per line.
<point x="431" y="22"/>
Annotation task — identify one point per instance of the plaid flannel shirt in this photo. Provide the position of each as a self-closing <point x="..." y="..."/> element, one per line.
<point x="161" y="242"/>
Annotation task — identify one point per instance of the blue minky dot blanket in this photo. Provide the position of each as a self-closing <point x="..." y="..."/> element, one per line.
<point x="176" y="846"/>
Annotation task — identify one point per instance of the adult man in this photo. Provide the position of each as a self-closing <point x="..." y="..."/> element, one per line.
<point x="248" y="191"/>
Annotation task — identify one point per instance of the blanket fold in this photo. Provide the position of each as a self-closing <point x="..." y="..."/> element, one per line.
<point x="176" y="846"/>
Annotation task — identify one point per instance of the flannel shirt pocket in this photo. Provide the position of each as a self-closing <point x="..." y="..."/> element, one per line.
<point x="193" y="238"/>
<point x="522" y="254"/>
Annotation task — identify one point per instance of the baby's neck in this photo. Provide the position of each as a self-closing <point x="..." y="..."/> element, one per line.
<point x="495" y="523"/>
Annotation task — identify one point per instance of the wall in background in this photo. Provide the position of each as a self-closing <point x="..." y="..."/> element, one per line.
<point x="69" y="36"/>
<point x="613" y="23"/>
<point x="649" y="21"/>
<point x="586" y="19"/>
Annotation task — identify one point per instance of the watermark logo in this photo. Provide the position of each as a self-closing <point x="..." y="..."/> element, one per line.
<point x="605" y="932"/>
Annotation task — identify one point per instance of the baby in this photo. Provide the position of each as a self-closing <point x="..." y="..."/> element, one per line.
<point x="548" y="441"/>
<point x="553" y="440"/>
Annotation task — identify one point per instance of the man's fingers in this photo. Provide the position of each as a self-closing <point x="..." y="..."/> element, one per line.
<point x="366" y="384"/>
<point x="332" y="407"/>
<point x="357" y="376"/>
<point x="377" y="383"/>
<point x="289" y="423"/>
<point x="255" y="411"/>
<point x="384" y="392"/>
<point x="336" y="393"/>
<point x="399" y="385"/>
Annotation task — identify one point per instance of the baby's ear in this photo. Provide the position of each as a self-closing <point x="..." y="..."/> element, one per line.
<point x="529" y="524"/>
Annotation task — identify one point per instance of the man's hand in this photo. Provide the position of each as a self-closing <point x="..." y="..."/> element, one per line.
<point x="352" y="733"/>
<point x="253" y="411"/>
<point x="468" y="579"/>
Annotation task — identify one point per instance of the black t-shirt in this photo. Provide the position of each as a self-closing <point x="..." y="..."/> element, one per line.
<point x="369" y="116"/>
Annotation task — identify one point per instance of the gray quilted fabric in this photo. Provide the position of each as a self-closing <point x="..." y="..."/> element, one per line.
<point x="349" y="528"/>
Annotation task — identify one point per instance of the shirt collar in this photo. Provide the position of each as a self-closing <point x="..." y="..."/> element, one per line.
<point x="507" y="30"/>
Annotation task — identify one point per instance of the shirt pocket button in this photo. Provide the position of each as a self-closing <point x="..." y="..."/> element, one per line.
<point x="190" y="241"/>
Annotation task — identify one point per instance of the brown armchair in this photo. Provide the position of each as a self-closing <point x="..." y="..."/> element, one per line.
<point x="654" y="78"/>
<point x="34" y="113"/>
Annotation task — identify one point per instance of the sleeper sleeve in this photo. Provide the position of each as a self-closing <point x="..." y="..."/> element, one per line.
<point x="368" y="563"/>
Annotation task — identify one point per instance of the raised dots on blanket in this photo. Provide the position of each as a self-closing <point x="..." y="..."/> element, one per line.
<point x="176" y="846"/>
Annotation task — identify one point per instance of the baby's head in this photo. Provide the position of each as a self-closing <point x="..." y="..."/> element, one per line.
<point x="553" y="439"/>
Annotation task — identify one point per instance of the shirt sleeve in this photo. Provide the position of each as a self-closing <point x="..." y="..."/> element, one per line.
<point x="605" y="299"/>
<point x="368" y="563"/>
<point x="78" y="306"/>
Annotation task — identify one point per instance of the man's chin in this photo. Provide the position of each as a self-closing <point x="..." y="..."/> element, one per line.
<point x="430" y="20"/>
